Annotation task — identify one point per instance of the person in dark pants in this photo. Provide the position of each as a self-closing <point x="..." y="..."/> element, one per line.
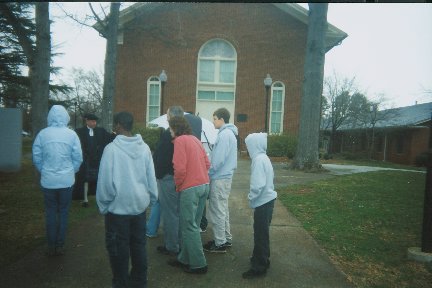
<point x="93" y="141"/>
<point x="261" y="198"/>
<point x="126" y="187"/>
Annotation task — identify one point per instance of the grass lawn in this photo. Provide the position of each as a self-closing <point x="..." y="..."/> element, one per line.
<point x="366" y="222"/>
<point x="22" y="222"/>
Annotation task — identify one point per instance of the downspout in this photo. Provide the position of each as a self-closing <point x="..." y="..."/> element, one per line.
<point x="385" y="148"/>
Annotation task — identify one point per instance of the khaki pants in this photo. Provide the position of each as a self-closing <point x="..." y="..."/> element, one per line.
<point x="218" y="210"/>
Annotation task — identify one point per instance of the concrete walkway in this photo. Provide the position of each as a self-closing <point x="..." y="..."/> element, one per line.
<point x="296" y="259"/>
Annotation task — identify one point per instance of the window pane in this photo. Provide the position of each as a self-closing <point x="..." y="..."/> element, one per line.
<point x="153" y="112"/>
<point x="225" y="50"/>
<point x="206" y="95"/>
<point x="218" y="48"/>
<point x="225" y="96"/>
<point x="226" y="72"/>
<point x="207" y="69"/>
<point x="275" y="124"/>
<point x="277" y="101"/>
<point x="154" y="94"/>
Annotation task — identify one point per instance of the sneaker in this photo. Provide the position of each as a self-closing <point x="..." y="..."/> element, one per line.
<point x="84" y="204"/>
<point x="212" y="247"/>
<point x="151" y="236"/>
<point x="228" y="244"/>
<point x="253" y="274"/>
<point x="203" y="230"/>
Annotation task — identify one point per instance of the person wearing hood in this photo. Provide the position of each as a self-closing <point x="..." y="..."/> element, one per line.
<point x="57" y="156"/>
<point x="261" y="198"/>
<point x="126" y="187"/>
<point x="223" y="164"/>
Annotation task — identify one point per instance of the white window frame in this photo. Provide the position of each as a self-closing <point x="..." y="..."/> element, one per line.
<point x="216" y="86"/>
<point x="152" y="80"/>
<point x="277" y="86"/>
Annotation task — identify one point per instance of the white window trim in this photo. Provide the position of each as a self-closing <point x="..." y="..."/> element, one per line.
<point x="152" y="80"/>
<point x="273" y="88"/>
<point x="216" y="86"/>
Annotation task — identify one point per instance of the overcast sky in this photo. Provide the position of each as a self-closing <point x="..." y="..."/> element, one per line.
<point x="388" y="48"/>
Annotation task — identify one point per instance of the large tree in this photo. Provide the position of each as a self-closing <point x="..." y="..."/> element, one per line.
<point x="307" y="157"/>
<point x="37" y="54"/>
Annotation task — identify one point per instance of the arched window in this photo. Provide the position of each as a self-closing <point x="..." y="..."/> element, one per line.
<point x="153" y="98"/>
<point x="277" y="108"/>
<point x="216" y="77"/>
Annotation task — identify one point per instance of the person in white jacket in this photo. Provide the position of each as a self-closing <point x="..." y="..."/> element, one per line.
<point x="261" y="198"/>
<point x="126" y="187"/>
<point x="57" y="156"/>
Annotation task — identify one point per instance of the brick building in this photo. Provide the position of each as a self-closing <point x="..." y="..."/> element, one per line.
<point x="215" y="55"/>
<point x="400" y="135"/>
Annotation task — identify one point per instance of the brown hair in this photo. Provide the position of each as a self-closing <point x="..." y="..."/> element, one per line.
<point x="180" y="126"/>
<point x="222" y="113"/>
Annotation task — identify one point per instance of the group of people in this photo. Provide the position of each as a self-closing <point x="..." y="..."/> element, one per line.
<point x="179" y="175"/>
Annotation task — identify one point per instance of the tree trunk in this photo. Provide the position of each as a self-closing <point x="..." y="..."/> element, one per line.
<point x="307" y="157"/>
<point x="39" y="69"/>
<point x="110" y="67"/>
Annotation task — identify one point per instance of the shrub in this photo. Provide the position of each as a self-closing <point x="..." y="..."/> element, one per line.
<point x="150" y="135"/>
<point x="421" y="160"/>
<point x="281" y="145"/>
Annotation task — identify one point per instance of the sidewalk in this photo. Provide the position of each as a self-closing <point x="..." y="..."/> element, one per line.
<point x="296" y="259"/>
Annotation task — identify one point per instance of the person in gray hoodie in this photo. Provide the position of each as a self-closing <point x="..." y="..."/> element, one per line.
<point x="57" y="156"/>
<point x="261" y="198"/>
<point x="223" y="164"/>
<point x="126" y="187"/>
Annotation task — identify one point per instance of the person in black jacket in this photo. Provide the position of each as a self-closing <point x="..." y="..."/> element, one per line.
<point x="93" y="141"/>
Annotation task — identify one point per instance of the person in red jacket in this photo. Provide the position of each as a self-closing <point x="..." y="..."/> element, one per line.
<point x="191" y="166"/>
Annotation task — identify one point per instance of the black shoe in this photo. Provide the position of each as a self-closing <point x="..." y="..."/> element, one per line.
<point x="176" y="263"/>
<point x="165" y="251"/>
<point x="84" y="204"/>
<point x="212" y="247"/>
<point x="268" y="262"/>
<point x="59" y="251"/>
<point x="228" y="244"/>
<point x="51" y="251"/>
<point x="201" y="270"/>
<point x="253" y="274"/>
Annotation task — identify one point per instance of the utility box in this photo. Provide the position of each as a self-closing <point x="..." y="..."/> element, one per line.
<point x="10" y="139"/>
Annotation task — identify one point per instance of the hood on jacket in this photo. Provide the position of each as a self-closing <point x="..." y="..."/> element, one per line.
<point x="231" y="127"/>
<point x="256" y="143"/>
<point x="132" y="146"/>
<point x="58" y="116"/>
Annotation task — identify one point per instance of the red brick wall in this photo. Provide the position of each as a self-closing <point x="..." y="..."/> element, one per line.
<point x="267" y="40"/>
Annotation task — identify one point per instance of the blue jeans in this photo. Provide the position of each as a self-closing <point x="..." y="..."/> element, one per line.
<point x="57" y="203"/>
<point x="125" y="238"/>
<point x="169" y="204"/>
<point x="154" y="219"/>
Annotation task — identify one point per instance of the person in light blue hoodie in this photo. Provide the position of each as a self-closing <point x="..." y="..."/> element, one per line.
<point x="223" y="164"/>
<point x="57" y="156"/>
<point x="126" y="187"/>
<point x="261" y="198"/>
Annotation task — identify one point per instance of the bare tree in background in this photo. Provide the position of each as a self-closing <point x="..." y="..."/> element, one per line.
<point x="338" y="94"/>
<point x="107" y="28"/>
<point x="307" y="157"/>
